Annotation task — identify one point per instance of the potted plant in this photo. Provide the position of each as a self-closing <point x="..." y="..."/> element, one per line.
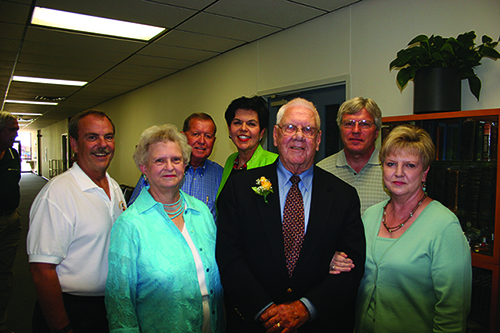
<point x="431" y="61"/>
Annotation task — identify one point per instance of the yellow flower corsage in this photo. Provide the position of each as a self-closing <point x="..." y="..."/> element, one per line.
<point x="264" y="187"/>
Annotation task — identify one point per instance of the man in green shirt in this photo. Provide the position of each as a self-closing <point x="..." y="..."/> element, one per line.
<point x="359" y="120"/>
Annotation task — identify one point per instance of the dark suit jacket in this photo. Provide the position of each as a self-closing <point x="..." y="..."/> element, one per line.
<point x="251" y="258"/>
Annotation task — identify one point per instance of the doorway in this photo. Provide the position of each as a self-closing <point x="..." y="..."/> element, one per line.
<point x="327" y="101"/>
<point x="65" y="151"/>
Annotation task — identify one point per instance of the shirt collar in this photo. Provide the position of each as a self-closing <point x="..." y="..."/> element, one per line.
<point x="83" y="179"/>
<point x="342" y="161"/>
<point x="306" y="177"/>
<point x="201" y="169"/>
<point x="374" y="158"/>
<point x="145" y="201"/>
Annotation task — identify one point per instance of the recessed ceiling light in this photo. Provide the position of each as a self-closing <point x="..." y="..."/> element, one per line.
<point x="93" y="24"/>
<point x="26" y="114"/>
<point x="29" y="102"/>
<point x="48" y="81"/>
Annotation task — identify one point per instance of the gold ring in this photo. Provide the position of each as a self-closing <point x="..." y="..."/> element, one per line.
<point x="278" y="325"/>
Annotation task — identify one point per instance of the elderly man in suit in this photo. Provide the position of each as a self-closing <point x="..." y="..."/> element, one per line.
<point x="274" y="247"/>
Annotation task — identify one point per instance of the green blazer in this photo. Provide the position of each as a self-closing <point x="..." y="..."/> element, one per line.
<point x="260" y="158"/>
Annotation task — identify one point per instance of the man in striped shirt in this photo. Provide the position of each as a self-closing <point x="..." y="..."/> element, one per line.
<point x="359" y="120"/>
<point x="202" y="176"/>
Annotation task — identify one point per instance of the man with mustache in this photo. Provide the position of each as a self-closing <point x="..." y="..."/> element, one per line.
<point x="359" y="120"/>
<point x="70" y="225"/>
<point x="202" y="176"/>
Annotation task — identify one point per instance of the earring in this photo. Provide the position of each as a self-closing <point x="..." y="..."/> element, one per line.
<point x="424" y="185"/>
<point x="260" y="140"/>
<point x="230" y="136"/>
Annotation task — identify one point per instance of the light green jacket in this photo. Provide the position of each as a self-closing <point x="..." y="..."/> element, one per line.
<point x="260" y="158"/>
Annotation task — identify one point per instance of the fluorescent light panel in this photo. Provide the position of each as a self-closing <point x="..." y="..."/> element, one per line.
<point x="29" y="102"/>
<point x="25" y="114"/>
<point x="93" y="24"/>
<point x="48" y="81"/>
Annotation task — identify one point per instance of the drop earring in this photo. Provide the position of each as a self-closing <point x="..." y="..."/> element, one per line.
<point x="424" y="186"/>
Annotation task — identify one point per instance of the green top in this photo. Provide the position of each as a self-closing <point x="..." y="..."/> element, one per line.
<point x="419" y="282"/>
<point x="260" y="157"/>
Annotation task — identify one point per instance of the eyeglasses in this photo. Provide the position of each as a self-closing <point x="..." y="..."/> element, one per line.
<point x="290" y="129"/>
<point x="363" y="124"/>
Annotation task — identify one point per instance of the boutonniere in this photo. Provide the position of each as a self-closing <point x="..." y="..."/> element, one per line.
<point x="264" y="187"/>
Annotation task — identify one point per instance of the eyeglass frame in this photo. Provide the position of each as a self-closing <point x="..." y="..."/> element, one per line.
<point x="291" y="126"/>
<point x="360" y="123"/>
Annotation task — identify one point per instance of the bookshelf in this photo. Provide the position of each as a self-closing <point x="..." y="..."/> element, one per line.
<point x="466" y="178"/>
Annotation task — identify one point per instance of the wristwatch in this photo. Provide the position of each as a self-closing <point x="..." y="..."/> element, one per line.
<point x="63" y="330"/>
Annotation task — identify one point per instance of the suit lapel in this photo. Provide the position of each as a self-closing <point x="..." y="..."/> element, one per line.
<point x="322" y="202"/>
<point x="270" y="213"/>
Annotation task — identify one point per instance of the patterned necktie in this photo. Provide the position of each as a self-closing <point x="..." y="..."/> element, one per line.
<point x="293" y="224"/>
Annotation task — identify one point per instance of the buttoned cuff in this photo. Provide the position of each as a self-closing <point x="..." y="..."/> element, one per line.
<point x="313" y="313"/>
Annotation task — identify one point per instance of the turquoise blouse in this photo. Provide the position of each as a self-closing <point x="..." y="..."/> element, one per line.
<point x="419" y="282"/>
<point x="152" y="283"/>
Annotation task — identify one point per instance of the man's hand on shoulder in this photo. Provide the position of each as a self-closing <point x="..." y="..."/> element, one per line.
<point x="286" y="318"/>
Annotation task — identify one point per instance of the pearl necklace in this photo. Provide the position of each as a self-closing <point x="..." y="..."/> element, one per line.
<point x="400" y="225"/>
<point x="175" y="209"/>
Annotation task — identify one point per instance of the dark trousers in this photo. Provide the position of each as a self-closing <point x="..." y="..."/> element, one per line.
<point x="10" y="233"/>
<point x="86" y="314"/>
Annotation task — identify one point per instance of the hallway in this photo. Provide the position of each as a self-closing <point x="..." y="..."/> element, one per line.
<point x="23" y="296"/>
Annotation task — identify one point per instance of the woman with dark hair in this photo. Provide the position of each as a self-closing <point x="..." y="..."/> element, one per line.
<point x="247" y="120"/>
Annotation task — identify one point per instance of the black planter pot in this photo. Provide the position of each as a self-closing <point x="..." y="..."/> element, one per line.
<point x="437" y="90"/>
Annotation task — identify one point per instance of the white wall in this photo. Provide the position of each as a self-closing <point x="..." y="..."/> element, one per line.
<point x="380" y="28"/>
<point x="356" y="43"/>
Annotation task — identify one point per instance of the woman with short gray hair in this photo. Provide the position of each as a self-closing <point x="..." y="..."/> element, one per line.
<point x="162" y="270"/>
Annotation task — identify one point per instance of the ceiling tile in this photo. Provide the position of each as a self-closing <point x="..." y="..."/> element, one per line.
<point x="328" y="5"/>
<point x="276" y="13"/>
<point x="14" y="12"/>
<point x="199" y="30"/>
<point x="198" y="41"/>
<point x="175" y="52"/>
<point x="10" y="45"/>
<point x="192" y="4"/>
<point x="28" y="91"/>
<point x="221" y="26"/>
<point x="166" y="63"/>
<point x="11" y="30"/>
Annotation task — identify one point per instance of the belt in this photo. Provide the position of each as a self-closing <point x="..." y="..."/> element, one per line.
<point x="6" y="213"/>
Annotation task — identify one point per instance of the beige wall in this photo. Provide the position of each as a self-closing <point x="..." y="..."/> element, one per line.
<point x="51" y="143"/>
<point x="355" y="44"/>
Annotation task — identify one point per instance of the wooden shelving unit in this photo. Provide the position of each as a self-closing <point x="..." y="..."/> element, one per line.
<point x="485" y="265"/>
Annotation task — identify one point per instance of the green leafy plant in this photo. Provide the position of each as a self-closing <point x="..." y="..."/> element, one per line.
<point x="436" y="51"/>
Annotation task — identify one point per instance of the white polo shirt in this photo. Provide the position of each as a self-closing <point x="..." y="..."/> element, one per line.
<point x="70" y="224"/>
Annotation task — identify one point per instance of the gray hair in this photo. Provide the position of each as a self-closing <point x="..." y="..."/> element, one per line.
<point x="6" y="118"/>
<point x="299" y="102"/>
<point x="163" y="133"/>
<point x="355" y="105"/>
